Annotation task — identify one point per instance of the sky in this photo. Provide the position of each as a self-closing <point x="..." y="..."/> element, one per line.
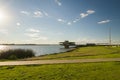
<point x="53" y="21"/>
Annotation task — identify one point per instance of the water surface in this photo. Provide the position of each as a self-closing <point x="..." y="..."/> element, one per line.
<point x="38" y="49"/>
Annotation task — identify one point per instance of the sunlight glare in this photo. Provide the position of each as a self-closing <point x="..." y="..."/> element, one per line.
<point x="3" y="16"/>
<point x="2" y="47"/>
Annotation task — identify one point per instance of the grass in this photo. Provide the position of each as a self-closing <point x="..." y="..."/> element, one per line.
<point x="84" y="53"/>
<point x="80" y="71"/>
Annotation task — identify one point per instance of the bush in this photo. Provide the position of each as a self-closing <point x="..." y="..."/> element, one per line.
<point x="12" y="57"/>
<point x="16" y="54"/>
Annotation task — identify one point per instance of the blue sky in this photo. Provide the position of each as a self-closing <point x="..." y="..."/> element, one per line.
<point x="52" y="21"/>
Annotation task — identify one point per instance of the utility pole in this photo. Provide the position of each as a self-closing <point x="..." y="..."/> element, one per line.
<point x="110" y="36"/>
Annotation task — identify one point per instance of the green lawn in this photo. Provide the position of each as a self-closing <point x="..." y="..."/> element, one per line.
<point x="84" y="53"/>
<point x="80" y="71"/>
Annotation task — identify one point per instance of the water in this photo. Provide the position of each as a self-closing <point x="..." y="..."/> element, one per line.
<point x="38" y="49"/>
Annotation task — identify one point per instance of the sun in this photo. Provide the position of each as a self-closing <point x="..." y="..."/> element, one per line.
<point x="5" y="17"/>
<point x="2" y="16"/>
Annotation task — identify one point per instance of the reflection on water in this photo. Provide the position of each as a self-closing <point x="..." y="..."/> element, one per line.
<point x="38" y="49"/>
<point x="2" y="47"/>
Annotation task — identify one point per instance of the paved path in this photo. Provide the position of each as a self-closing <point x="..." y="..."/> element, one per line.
<point x="57" y="61"/>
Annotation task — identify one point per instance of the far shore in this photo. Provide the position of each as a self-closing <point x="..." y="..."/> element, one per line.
<point x="31" y="44"/>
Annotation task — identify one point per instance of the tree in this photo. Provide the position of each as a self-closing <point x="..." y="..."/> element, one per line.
<point x="66" y="44"/>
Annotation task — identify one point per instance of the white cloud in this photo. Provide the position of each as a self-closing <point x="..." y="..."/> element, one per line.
<point x="40" y="38"/>
<point x="88" y="12"/>
<point x="45" y="13"/>
<point x="35" y="36"/>
<point x="104" y="21"/>
<point x="61" y="20"/>
<point x="32" y="35"/>
<point x="74" y="21"/>
<point x="77" y="19"/>
<point x="33" y="30"/>
<point x="18" y="24"/>
<point x="38" y="14"/>
<point x="69" y="23"/>
<point x="64" y="21"/>
<point x="83" y="15"/>
<point x="3" y="31"/>
<point x="58" y="2"/>
<point x="25" y="12"/>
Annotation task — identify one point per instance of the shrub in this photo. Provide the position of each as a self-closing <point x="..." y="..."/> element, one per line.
<point x="12" y="57"/>
<point x="16" y="54"/>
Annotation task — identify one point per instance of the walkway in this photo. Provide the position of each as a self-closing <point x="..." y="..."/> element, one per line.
<point x="37" y="62"/>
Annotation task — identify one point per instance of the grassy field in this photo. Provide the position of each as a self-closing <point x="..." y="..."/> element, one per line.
<point x="84" y="53"/>
<point x="81" y="71"/>
<point x="78" y="71"/>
